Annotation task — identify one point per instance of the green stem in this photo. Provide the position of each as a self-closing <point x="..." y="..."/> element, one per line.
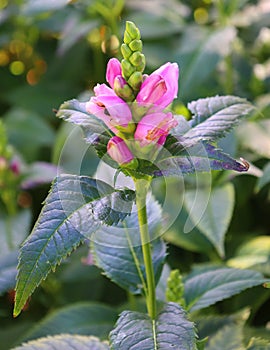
<point x="142" y="186"/>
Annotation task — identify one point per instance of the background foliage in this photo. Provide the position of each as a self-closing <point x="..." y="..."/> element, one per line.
<point x="52" y="51"/>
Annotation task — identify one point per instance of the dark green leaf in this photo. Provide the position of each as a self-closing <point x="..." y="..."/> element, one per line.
<point x="76" y="207"/>
<point x="118" y="251"/>
<point x="65" y="341"/>
<point x="137" y="331"/>
<point x="79" y="318"/>
<point x="207" y="287"/>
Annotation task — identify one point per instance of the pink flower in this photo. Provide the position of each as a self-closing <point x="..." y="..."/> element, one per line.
<point x="161" y="87"/>
<point x="110" y="108"/>
<point x="113" y="70"/>
<point x="154" y="128"/>
<point x="119" y="151"/>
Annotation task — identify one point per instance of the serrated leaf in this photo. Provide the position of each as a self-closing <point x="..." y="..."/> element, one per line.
<point x="202" y="157"/>
<point x="214" y="116"/>
<point x="8" y="271"/>
<point x="208" y="287"/>
<point x="65" y="341"/>
<point x="117" y="250"/>
<point x="137" y="331"/>
<point x="76" y="207"/>
<point x="211" y="212"/>
<point x="228" y="338"/>
<point x="80" y="318"/>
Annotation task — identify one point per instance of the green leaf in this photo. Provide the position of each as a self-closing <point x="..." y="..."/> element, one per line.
<point x="60" y="228"/>
<point x="228" y="338"/>
<point x="65" y="341"/>
<point x="199" y="53"/>
<point x="264" y="179"/>
<point x="205" y="288"/>
<point x="117" y="250"/>
<point x="214" y="116"/>
<point x="8" y="271"/>
<point x="80" y="318"/>
<point x="253" y="253"/>
<point x="255" y="136"/>
<point x="211" y="212"/>
<point x="137" y="331"/>
<point x="258" y="344"/>
<point x="13" y="230"/>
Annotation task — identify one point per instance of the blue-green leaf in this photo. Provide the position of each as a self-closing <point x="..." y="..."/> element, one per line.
<point x="171" y="329"/>
<point x="65" y="341"/>
<point x="76" y="207"/>
<point x="205" y="288"/>
<point x="117" y="250"/>
<point x="264" y="179"/>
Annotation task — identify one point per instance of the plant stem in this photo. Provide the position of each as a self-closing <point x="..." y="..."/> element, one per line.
<point x="142" y="186"/>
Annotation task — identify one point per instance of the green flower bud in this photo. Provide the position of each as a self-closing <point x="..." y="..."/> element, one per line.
<point x="136" y="58"/>
<point x="135" y="80"/>
<point x="126" y="51"/>
<point x="123" y="90"/>
<point x="133" y="63"/>
<point x="127" y="69"/>
<point x="133" y="31"/>
<point x="136" y="45"/>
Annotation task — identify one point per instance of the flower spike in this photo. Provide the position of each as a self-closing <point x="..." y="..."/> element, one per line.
<point x="133" y="63"/>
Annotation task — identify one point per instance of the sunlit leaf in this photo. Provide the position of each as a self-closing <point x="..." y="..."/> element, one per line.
<point x="137" y="331"/>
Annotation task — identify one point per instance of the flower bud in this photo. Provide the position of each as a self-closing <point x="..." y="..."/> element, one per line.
<point x="122" y="89"/>
<point x="133" y="32"/>
<point x="119" y="151"/>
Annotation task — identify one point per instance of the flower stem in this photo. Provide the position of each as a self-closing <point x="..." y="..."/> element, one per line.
<point x="142" y="186"/>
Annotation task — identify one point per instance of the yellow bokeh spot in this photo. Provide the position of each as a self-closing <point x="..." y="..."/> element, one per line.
<point x="201" y="15"/>
<point x="3" y="4"/>
<point x="4" y="58"/>
<point x="17" y="67"/>
<point x="16" y="46"/>
<point x="208" y="2"/>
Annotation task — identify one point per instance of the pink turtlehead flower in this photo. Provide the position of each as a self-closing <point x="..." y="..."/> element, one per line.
<point x="154" y="128"/>
<point x="113" y="71"/>
<point x="119" y="151"/>
<point x="160" y="87"/>
<point x="110" y="108"/>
